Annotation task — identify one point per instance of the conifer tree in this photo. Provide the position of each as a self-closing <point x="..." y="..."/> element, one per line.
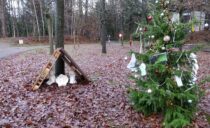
<point x="165" y="74"/>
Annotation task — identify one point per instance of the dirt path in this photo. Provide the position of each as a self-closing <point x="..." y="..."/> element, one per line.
<point x="7" y="49"/>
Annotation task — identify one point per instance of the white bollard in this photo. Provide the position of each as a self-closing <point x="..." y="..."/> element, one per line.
<point x="21" y="42"/>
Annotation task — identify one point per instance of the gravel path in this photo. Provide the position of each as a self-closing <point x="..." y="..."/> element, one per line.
<point x="7" y="49"/>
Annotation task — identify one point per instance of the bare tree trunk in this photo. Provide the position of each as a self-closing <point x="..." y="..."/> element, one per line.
<point x="59" y="36"/>
<point x="80" y="25"/>
<point x="37" y="21"/>
<point x="86" y="9"/>
<point x="13" y="19"/>
<point x="27" y="30"/>
<point x="42" y="17"/>
<point x="49" y="24"/>
<point x="80" y="9"/>
<point x="34" y="28"/>
<point x="3" y="24"/>
<point x="72" y="21"/>
<point x="103" y="26"/>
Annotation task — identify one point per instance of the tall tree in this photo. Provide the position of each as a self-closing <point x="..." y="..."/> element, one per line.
<point x="86" y="9"/>
<point x="42" y="16"/>
<point x="80" y="8"/>
<point x="103" y="26"/>
<point x="59" y="35"/>
<point x="49" y="25"/>
<point x="36" y="16"/>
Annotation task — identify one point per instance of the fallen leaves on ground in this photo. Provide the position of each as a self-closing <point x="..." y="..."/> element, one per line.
<point x="102" y="103"/>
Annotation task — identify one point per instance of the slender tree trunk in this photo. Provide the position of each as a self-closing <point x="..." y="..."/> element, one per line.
<point x="37" y="21"/>
<point x="80" y="9"/>
<point x="86" y="9"/>
<point x="34" y="28"/>
<point x="59" y="36"/>
<point x="49" y="24"/>
<point x="26" y="30"/>
<point x="72" y="22"/>
<point x="103" y="26"/>
<point x="3" y="24"/>
<point x="12" y="19"/>
<point x="80" y="21"/>
<point x="42" y="17"/>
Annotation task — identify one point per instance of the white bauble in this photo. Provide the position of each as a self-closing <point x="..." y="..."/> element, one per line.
<point x="167" y="38"/>
<point x="152" y="36"/>
<point x="149" y="91"/>
<point x="206" y="25"/>
<point x="163" y="48"/>
<point x="189" y="101"/>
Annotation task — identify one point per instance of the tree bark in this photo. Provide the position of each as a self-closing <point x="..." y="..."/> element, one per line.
<point x="59" y="35"/>
<point x="13" y="19"/>
<point x="37" y="21"/>
<point x="80" y="9"/>
<point x="42" y="17"/>
<point x="49" y="24"/>
<point x="3" y="24"/>
<point x="103" y="26"/>
<point x="86" y="9"/>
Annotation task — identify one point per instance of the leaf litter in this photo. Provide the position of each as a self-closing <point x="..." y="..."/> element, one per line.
<point x="102" y="103"/>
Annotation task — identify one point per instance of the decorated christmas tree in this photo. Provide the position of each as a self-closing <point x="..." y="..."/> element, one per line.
<point x="165" y="74"/>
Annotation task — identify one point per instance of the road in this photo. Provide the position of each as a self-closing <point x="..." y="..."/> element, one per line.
<point x="7" y="49"/>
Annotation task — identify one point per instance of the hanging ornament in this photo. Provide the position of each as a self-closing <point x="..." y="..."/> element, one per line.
<point x="178" y="81"/>
<point x="152" y="36"/>
<point x="149" y="91"/>
<point x="149" y="18"/>
<point x="166" y="38"/>
<point x="206" y="25"/>
<point x="163" y="48"/>
<point x="145" y="29"/>
<point x="156" y="1"/>
<point x="162" y="14"/>
<point x="190" y="101"/>
<point x="142" y="68"/>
